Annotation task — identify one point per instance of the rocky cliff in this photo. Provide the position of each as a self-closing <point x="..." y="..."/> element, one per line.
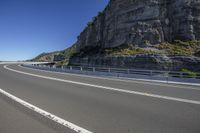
<point x="138" y="21"/>
<point x="141" y="24"/>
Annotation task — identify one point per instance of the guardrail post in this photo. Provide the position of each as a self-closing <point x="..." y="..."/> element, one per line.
<point x="81" y="68"/>
<point x="181" y="75"/>
<point x="166" y="74"/>
<point x="128" y="71"/>
<point x="93" y="69"/>
<point x="109" y="70"/>
<point x="151" y="73"/>
<point x="70" y="67"/>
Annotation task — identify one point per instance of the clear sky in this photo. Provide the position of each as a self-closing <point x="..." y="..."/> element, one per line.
<point x="30" y="27"/>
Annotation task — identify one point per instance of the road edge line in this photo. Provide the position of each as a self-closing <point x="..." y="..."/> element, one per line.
<point x="46" y="114"/>
<point x="129" y="80"/>
<point x="110" y="88"/>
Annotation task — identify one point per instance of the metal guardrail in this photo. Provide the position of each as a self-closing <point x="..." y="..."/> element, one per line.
<point x="120" y="72"/>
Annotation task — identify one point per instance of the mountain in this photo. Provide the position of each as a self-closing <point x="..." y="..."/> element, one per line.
<point x="145" y="34"/>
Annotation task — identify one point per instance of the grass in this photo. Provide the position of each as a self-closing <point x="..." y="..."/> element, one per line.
<point x="170" y="49"/>
<point x="127" y="51"/>
<point x="180" y="47"/>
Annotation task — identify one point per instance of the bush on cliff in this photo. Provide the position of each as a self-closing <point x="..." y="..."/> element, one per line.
<point x="189" y="73"/>
<point x="126" y="51"/>
<point x="179" y="47"/>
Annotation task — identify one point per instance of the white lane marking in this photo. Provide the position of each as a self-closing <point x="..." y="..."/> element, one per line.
<point x="45" y="113"/>
<point x="15" y="62"/>
<point x="109" y="88"/>
<point x="130" y="80"/>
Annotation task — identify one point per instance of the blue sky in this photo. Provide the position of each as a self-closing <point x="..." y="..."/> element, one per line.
<point x="30" y="27"/>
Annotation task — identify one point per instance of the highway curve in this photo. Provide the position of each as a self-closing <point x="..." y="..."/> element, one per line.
<point x="99" y="105"/>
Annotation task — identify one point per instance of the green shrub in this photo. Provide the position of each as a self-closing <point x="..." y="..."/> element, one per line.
<point x="189" y="73"/>
<point x="61" y="63"/>
<point x="128" y="51"/>
<point x="180" y="48"/>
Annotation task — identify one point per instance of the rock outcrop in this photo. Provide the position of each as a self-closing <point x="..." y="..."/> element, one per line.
<point x="140" y="23"/>
<point x="137" y="22"/>
<point x="148" y="62"/>
<point x="50" y="57"/>
<point x="56" y="56"/>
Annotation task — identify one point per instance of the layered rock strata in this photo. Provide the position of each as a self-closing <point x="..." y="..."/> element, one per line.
<point x="142" y="24"/>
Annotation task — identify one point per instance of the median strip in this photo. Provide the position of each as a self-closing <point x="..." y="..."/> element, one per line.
<point x="110" y="88"/>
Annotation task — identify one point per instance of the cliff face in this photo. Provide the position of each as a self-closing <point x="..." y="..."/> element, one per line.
<point x="149" y="34"/>
<point x="137" y="22"/>
<point x="142" y="24"/>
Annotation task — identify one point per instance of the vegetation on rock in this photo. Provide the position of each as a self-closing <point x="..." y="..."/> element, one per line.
<point x="50" y="57"/>
<point x="180" y="47"/>
<point x="188" y="48"/>
<point x="128" y="51"/>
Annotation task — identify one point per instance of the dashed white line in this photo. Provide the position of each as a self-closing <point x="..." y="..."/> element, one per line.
<point x="46" y="114"/>
<point x="110" y="88"/>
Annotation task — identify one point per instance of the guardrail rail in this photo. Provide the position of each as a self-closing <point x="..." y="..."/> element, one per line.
<point x="119" y="72"/>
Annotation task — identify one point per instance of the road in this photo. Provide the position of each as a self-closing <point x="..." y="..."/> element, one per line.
<point x="100" y="105"/>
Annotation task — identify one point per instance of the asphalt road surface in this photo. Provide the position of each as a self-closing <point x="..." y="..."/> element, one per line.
<point x="100" y="105"/>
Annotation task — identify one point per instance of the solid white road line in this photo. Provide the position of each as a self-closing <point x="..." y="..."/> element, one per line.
<point x="109" y="88"/>
<point x="130" y="80"/>
<point x="46" y="114"/>
<point x="15" y="62"/>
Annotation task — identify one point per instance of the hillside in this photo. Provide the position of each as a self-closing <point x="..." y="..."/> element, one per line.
<point x="57" y="56"/>
<point x="144" y="34"/>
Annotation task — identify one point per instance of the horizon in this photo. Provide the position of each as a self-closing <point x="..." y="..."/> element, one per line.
<point x="29" y="28"/>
